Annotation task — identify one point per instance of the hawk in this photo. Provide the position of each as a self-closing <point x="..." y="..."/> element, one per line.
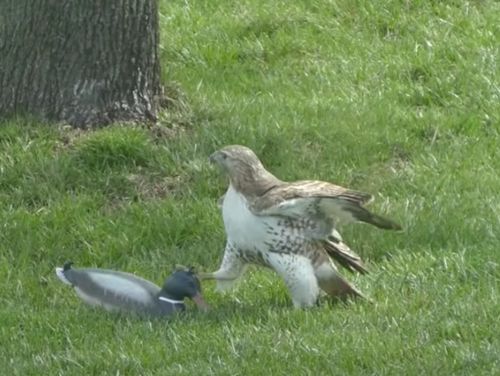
<point x="288" y="227"/>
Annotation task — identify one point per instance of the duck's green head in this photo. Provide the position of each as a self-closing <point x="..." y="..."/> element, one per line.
<point x="184" y="284"/>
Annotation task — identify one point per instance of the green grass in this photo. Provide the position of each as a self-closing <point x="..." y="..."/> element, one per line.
<point x="400" y="99"/>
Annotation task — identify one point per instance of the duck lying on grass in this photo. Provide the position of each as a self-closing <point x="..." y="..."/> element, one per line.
<point x="125" y="292"/>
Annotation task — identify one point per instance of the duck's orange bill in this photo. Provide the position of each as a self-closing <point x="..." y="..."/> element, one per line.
<point x="200" y="302"/>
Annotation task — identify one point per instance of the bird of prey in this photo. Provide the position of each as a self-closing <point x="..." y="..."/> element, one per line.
<point x="288" y="227"/>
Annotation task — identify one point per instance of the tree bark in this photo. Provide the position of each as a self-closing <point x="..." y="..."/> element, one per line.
<point x="84" y="62"/>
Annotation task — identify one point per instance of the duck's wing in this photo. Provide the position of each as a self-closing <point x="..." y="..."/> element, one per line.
<point x="112" y="289"/>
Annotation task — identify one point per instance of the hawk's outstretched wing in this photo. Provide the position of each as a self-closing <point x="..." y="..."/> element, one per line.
<point x="317" y="199"/>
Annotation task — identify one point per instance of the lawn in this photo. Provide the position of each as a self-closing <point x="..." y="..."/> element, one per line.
<point x="397" y="98"/>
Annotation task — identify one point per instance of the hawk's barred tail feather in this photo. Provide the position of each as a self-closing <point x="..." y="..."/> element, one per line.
<point x="338" y="287"/>
<point x="341" y="253"/>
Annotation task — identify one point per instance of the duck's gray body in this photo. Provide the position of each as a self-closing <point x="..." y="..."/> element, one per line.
<point x="119" y="291"/>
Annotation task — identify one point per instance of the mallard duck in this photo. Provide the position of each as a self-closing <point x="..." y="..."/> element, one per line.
<point x="125" y="292"/>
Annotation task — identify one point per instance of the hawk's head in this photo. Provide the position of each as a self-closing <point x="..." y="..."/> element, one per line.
<point x="236" y="160"/>
<point x="246" y="172"/>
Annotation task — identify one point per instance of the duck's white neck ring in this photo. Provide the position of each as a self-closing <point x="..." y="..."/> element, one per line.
<point x="171" y="300"/>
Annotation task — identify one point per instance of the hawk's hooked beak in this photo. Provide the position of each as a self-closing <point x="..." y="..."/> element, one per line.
<point x="200" y="302"/>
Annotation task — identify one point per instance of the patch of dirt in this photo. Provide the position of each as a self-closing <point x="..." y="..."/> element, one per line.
<point x="68" y="136"/>
<point x="145" y="188"/>
<point x="153" y="187"/>
<point x="175" y="117"/>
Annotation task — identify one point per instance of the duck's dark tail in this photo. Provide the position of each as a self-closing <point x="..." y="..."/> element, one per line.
<point x="60" y="272"/>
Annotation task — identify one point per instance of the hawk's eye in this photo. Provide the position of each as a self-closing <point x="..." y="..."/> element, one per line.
<point x="224" y="156"/>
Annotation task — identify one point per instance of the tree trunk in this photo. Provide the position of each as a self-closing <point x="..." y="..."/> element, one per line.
<point x="84" y="62"/>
